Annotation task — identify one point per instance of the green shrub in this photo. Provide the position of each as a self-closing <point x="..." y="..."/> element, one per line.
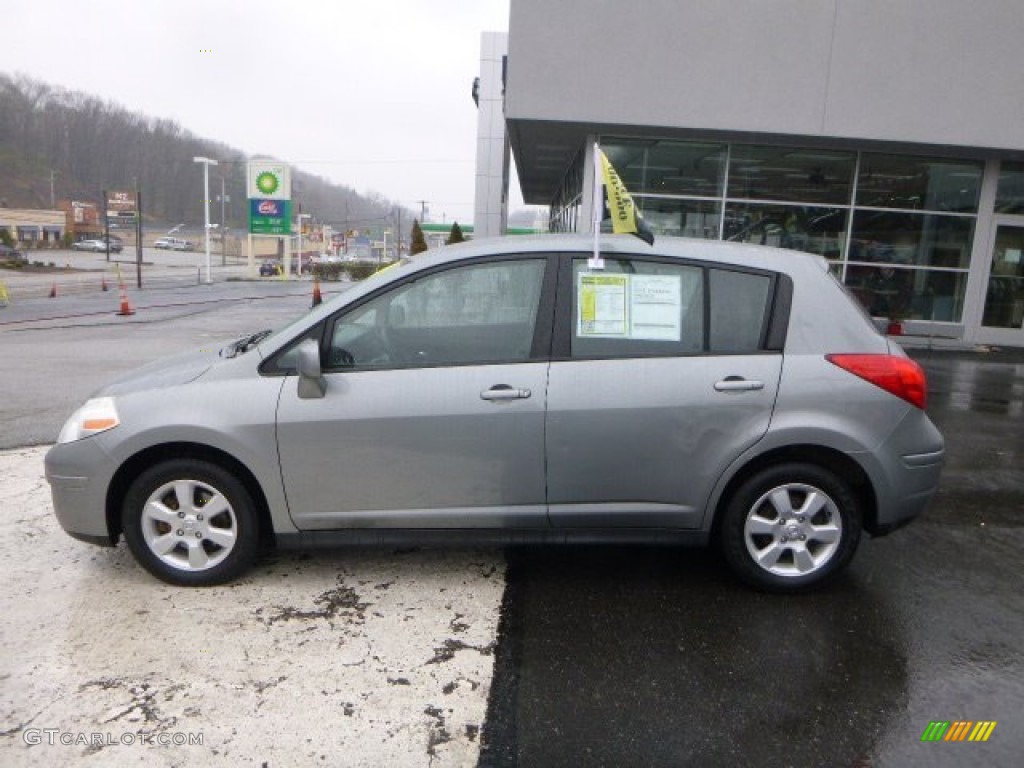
<point x="329" y="271"/>
<point x="360" y="271"/>
<point x="335" y="270"/>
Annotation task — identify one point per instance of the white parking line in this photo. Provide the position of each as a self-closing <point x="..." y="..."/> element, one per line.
<point x="355" y="658"/>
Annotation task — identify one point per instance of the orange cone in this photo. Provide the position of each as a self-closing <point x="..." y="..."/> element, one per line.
<point x="126" y="308"/>
<point x="317" y="298"/>
<point x="53" y="290"/>
<point x="103" y="284"/>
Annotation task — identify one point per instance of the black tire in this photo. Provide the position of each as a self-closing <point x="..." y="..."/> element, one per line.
<point x="801" y="549"/>
<point x="172" y="537"/>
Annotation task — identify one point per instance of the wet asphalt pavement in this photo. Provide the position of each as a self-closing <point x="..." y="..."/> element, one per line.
<point x="639" y="657"/>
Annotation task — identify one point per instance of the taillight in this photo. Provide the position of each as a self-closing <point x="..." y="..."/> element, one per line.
<point x="897" y="375"/>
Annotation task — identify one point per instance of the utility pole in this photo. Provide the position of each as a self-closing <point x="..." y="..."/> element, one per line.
<point x="106" y="223"/>
<point x="138" y="236"/>
<point x="223" y="232"/>
<point x="398" y="252"/>
<point x="423" y="210"/>
<point x="53" y="200"/>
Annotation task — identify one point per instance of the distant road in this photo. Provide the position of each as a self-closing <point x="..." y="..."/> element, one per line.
<point x="56" y="352"/>
<point x="75" y="272"/>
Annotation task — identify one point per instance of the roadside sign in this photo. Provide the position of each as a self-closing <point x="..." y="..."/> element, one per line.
<point x="122" y="208"/>
<point x="269" y="181"/>
<point x="270" y="217"/>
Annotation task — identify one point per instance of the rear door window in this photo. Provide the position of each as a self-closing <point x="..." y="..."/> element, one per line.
<point x="643" y="308"/>
<point x="637" y="308"/>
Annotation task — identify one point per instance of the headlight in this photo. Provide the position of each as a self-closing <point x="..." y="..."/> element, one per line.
<point x="97" y="415"/>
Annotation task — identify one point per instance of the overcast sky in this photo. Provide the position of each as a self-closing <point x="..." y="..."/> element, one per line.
<point x="374" y="94"/>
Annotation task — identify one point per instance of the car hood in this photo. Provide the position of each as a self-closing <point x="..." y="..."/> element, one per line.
<point x="168" y="372"/>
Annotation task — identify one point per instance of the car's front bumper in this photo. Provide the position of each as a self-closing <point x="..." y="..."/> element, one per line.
<point x="79" y="475"/>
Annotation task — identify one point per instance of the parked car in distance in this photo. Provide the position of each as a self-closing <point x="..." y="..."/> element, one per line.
<point x="509" y="389"/>
<point x="270" y="268"/>
<point x="97" y="246"/>
<point x="10" y="254"/>
<point x="173" y="244"/>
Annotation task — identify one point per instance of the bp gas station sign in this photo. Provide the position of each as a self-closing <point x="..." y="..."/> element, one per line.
<point x="270" y="198"/>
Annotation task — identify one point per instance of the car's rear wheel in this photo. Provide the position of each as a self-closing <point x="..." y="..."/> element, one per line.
<point x="191" y="522"/>
<point x="790" y="527"/>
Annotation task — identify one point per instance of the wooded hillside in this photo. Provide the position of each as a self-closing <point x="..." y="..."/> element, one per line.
<point x="90" y="145"/>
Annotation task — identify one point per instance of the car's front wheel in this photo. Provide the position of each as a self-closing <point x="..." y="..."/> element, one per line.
<point x="790" y="527"/>
<point x="191" y="523"/>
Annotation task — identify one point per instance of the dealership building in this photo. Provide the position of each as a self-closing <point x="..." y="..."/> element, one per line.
<point x="886" y="136"/>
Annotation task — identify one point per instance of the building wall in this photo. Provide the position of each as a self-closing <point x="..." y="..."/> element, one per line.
<point x="491" y="200"/>
<point x="943" y="72"/>
<point x="30" y="227"/>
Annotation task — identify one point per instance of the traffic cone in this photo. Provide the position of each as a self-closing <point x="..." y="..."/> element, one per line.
<point x="126" y="308"/>
<point x="103" y="284"/>
<point x="53" y="290"/>
<point x="317" y="298"/>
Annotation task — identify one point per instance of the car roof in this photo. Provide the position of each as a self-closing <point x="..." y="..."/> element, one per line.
<point x="739" y="254"/>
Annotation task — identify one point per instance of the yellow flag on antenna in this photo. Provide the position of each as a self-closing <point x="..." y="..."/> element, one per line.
<point x="625" y="217"/>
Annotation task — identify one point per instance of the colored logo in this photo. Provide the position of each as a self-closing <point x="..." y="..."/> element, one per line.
<point x="958" y="730"/>
<point x="269" y="208"/>
<point x="267" y="183"/>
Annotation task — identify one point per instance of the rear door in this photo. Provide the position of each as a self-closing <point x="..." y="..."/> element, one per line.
<point x="663" y="373"/>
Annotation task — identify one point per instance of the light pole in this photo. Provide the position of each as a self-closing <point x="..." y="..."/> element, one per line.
<point x="207" y="162"/>
<point x="298" y="226"/>
<point x="223" y="227"/>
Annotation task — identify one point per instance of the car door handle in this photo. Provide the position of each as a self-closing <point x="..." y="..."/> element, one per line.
<point x="738" y="384"/>
<point x="504" y="392"/>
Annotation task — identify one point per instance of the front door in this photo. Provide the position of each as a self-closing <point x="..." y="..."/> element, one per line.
<point x="1003" y="317"/>
<point x="433" y="415"/>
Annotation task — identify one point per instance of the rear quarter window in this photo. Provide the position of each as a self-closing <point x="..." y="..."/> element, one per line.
<point x="740" y="304"/>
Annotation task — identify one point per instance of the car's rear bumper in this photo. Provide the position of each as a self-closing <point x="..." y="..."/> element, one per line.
<point x="904" y="473"/>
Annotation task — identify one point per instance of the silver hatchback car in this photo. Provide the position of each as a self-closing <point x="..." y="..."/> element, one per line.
<point x="510" y="390"/>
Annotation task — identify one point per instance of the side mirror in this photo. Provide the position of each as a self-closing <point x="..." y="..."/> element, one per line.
<point x="307" y="362"/>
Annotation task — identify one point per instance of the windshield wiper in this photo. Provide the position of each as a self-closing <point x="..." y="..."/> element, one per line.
<point x="244" y="344"/>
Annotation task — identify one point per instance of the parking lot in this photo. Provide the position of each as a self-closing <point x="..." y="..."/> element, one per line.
<point x="588" y="656"/>
<point x="383" y="658"/>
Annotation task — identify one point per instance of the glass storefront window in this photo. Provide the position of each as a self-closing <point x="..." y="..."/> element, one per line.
<point x="681" y="218"/>
<point x="908" y="294"/>
<point x="565" y="219"/>
<point x="1004" y="300"/>
<point x="565" y="206"/>
<point x="655" y="167"/>
<point x="1010" y="195"/>
<point x="898" y="228"/>
<point x="919" y="183"/>
<point x="788" y="173"/>
<point x="925" y="240"/>
<point x="802" y="228"/>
